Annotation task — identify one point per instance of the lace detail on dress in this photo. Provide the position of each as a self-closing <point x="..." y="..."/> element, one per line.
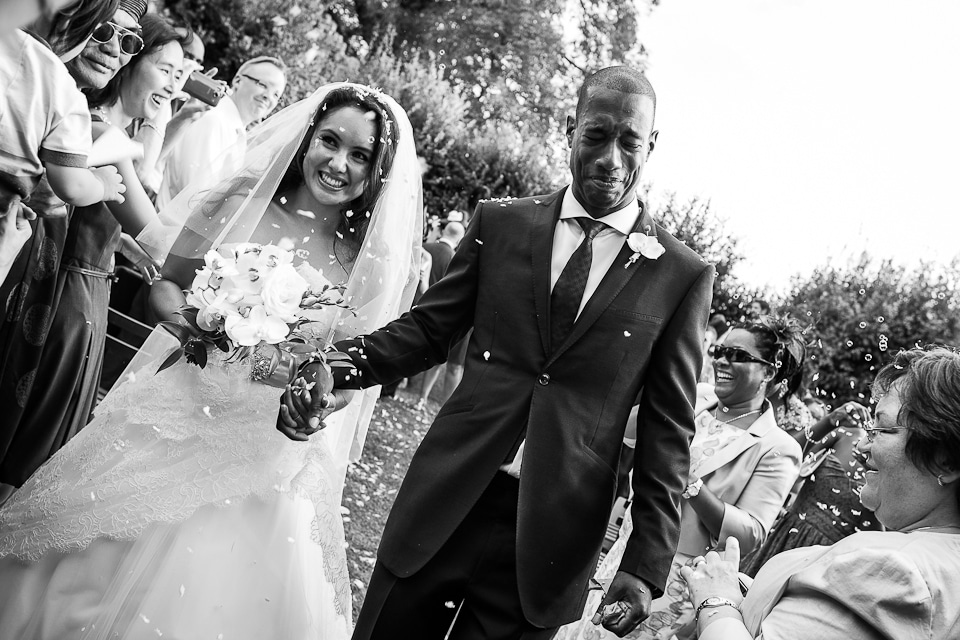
<point x="162" y="446"/>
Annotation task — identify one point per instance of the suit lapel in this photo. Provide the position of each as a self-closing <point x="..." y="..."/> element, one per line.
<point x="546" y="215"/>
<point x="610" y="286"/>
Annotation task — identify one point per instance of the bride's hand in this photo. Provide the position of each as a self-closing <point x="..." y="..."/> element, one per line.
<point x="304" y="406"/>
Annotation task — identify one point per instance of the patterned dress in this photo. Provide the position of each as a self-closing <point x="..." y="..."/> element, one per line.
<point x="826" y="510"/>
<point x="29" y="295"/>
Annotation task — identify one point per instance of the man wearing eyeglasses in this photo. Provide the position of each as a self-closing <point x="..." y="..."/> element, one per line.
<point x="209" y="149"/>
<point x="113" y="45"/>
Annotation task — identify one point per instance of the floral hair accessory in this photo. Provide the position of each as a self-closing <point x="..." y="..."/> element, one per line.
<point x="643" y="244"/>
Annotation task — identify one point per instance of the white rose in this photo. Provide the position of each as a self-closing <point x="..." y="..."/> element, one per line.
<point x="282" y="292"/>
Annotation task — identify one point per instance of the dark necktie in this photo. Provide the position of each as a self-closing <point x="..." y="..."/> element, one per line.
<point x="567" y="293"/>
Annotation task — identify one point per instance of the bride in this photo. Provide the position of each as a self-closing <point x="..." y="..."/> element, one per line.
<point x="180" y="511"/>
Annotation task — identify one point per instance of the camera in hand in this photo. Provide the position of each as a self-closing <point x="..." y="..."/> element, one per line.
<point x="204" y="88"/>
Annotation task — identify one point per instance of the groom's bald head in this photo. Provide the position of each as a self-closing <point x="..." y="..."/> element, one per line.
<point x="622" y="78"/>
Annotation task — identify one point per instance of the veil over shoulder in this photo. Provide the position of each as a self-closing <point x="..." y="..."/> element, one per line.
<point x="180" y="503"/>
<point x="384" y="276"/>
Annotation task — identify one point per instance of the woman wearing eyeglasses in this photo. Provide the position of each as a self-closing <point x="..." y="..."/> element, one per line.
<point x="899" y="583"/>
<point x="742" y="466"/>
<point x="57" y="399"/>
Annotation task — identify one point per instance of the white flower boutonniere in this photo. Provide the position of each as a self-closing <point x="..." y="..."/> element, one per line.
<point x="643" y="245"/>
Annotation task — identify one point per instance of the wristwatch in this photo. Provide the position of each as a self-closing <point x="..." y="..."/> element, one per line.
<point x="715" y="601"/>
<point x="693" y="489"/>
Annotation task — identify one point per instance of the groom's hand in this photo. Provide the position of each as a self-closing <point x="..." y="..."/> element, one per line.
<point x="626" y="604"/>
<point x="309" y="400"/>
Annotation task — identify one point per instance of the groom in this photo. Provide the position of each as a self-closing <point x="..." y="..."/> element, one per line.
<point x="502" y="513"/>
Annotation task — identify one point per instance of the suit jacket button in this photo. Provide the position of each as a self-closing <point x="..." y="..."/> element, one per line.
<point x="544" y="379"/>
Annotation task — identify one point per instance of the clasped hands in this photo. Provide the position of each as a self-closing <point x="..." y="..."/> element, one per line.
<point x="308" y="400"/>
<point x="625" y="604"/>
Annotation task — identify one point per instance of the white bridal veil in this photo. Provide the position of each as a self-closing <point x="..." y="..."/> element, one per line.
<point x="384" y="274"/>
<point x="128" y="500"/>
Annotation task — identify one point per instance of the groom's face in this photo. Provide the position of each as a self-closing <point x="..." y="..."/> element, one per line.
<point x="609" y="144"/>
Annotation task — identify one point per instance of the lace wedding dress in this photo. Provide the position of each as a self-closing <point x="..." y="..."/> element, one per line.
<point x="180" y="512"/>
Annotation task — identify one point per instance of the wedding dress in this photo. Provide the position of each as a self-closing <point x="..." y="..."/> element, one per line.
<point x="180" y="511"/>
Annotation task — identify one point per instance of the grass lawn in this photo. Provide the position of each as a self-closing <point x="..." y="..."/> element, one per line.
<point x="372" y="483"/>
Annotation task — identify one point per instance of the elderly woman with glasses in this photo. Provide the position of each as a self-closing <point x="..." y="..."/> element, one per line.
<point x="742" y="466"/>
<point x="899" y="583"/>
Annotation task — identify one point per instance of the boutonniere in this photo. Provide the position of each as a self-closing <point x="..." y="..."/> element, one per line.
<point x="644" y="245"/>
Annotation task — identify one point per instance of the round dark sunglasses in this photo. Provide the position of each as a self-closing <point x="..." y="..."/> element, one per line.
<point x="734" y="354"/>
<point x="130" y="42"/>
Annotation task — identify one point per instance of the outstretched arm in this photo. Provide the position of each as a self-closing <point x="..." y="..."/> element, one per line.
<point x="418" y="340"/>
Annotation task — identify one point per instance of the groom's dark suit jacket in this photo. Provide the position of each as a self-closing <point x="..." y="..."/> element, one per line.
<point x="643" y="327"/>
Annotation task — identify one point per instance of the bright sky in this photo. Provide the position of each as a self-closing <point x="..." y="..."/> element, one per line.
<point x="818" y="128"/>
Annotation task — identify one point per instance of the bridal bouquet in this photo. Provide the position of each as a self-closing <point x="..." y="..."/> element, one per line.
<point x="248" y="300"/>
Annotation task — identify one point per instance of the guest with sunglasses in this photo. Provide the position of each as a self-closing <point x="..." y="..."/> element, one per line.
<point x="115" y="43"/>
<point x="30" y="288"/>
<point x="898" y="583"/>
<point x="57" y="386"/>
<point x="742" y="466"/>
<point x="208" y="149"/>
<point x="44" y="122"/>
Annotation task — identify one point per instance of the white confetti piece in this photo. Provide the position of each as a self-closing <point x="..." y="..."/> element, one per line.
<point x="626" y="334"/>
<point x="183" y="590"/>
<point x="206" y="412"/>
<point x="486" y="355"/>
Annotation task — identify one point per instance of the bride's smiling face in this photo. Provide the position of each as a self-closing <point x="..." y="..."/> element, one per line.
<point x="337" y="164"/>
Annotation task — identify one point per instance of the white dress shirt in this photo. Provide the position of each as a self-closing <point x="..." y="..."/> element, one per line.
<point x="211" y="149"/>
<point x="567" y="236"/>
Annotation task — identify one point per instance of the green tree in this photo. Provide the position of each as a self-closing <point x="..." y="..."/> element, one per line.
<point x="868" y="309"/>
<point x="696" y="224"/>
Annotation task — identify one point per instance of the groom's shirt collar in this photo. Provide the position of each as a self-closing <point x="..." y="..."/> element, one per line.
<point x="624" y="220"/>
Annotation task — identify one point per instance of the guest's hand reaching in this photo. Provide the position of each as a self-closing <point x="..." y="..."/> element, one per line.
<point x="15" y="230"/>
<point x="113" y="187"/>
<point x="148" y="267"/>
<point x="715" y="574"/>
<point x="625" y="605"/>
<point x="308" y="401"/>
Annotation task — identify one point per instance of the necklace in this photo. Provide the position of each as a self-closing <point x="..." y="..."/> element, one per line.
<point x="742" y="415"/>
<point x="103" y="115"/>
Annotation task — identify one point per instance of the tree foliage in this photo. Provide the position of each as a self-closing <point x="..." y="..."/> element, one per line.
<point x="516" y="58"/>
<point x="864" y="311"/>
<point x="697" y="225"/>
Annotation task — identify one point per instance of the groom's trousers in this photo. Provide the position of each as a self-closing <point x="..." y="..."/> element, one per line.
<point x="470" y="583"/>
